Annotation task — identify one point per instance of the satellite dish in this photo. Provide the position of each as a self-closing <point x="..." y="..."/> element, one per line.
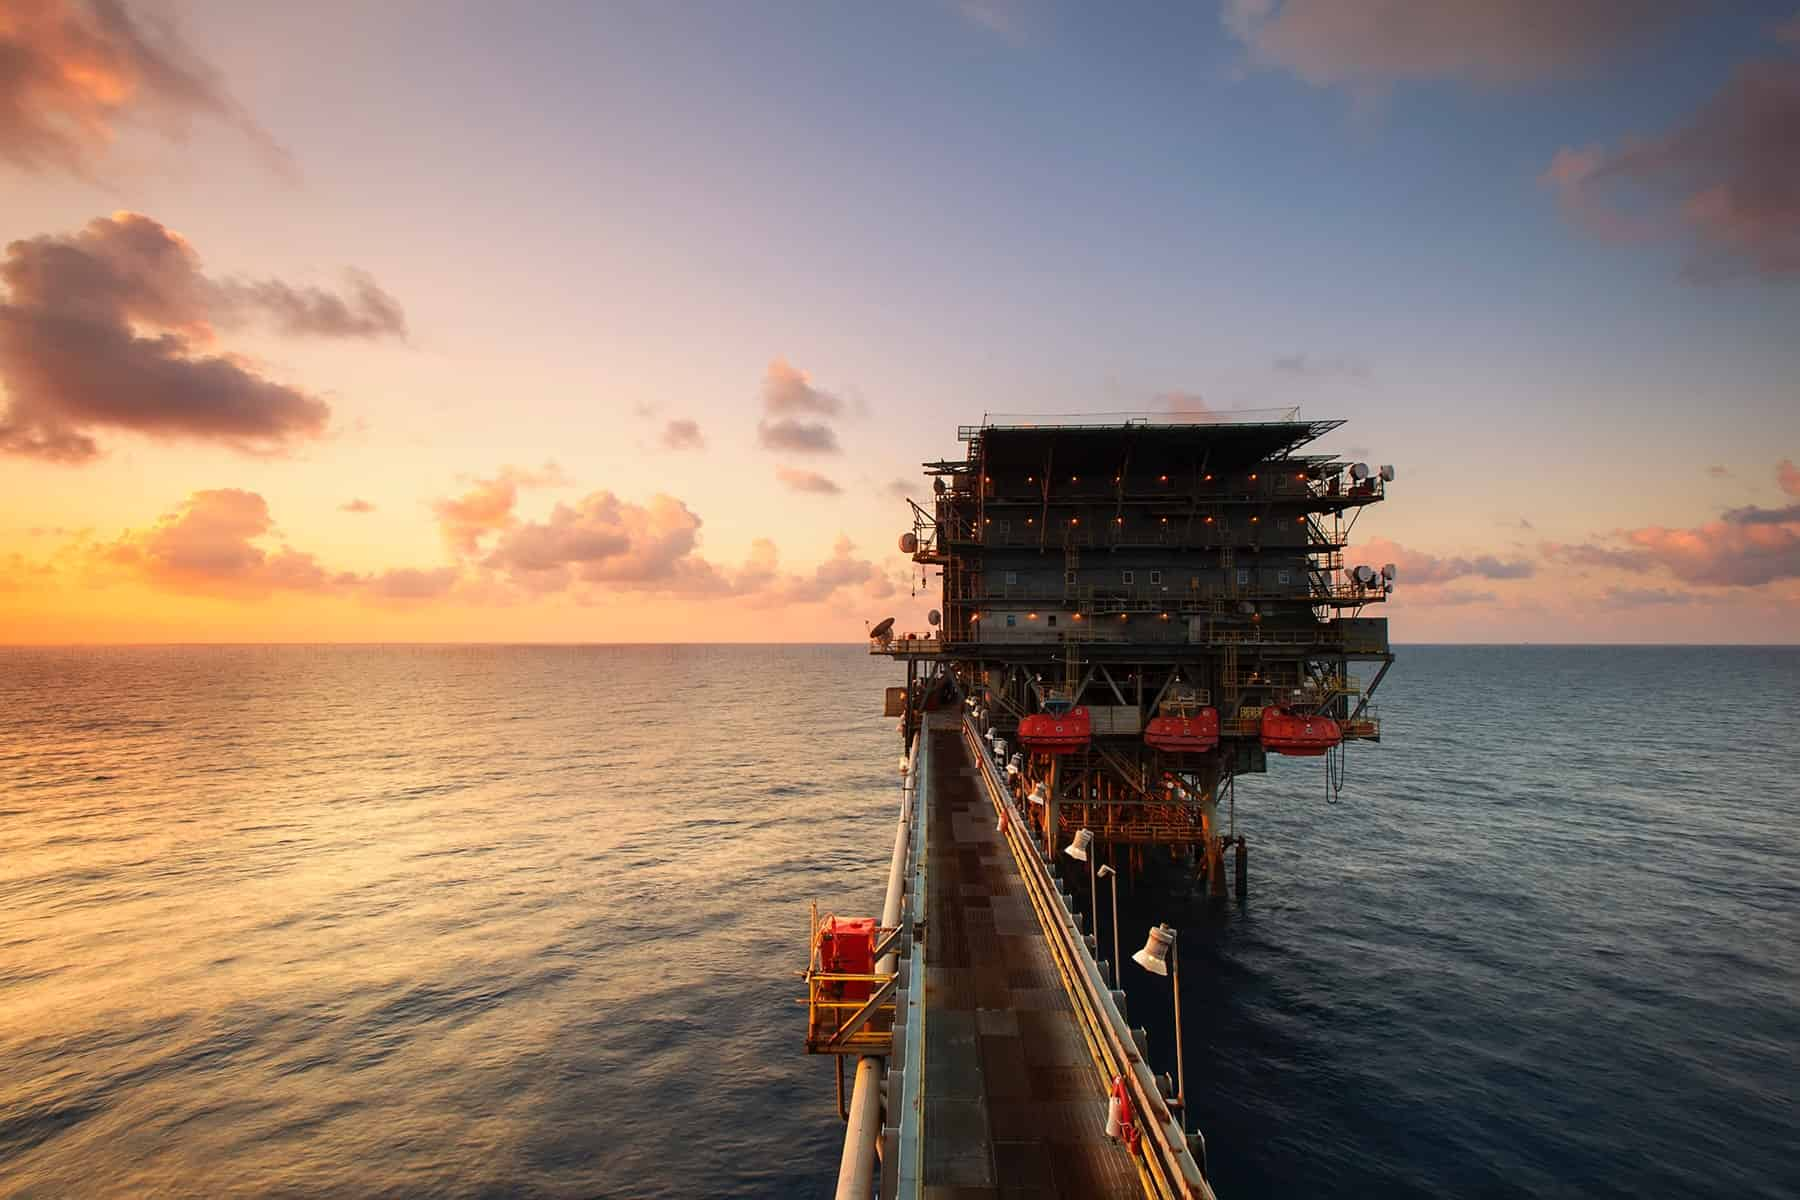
<point x="883" y="630"/>
<point x="1387" y="572"/>
<point x="1359" y="472"/>
<point x="909" y="543"/>
<point x="934" y="617"/>
<point x="937" y="485"/>
<point x="1364" y="575"/>
<point x="1387" y="473"/>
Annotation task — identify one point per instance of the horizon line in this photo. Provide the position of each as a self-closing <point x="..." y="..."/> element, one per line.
<point x="848" y="643"/>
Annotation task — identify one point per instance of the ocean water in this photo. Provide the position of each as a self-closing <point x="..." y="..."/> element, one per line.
<point x="475" y="921"/>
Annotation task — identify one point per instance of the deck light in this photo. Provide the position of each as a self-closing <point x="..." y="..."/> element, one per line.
<point x="1254" y="520"/>
<point x="1031" y="520"/>
<point x="1209" y="479"/>
<point x="1165" y="616"/>
<point x="1074" y="520"/>
<point x="1164" y="478"/>
<point x="1154" y="957"/>
<point x="1159" y="957"/>
<point x="1118" y="520"/>
<point x="1074" y="479"/>
<point x="1252" y="479"/>
<point x="1031" y="616"/>
<point x="1209" y="520"/>
<point x="1078" y="847"/>
<point x="1301" y="519"/>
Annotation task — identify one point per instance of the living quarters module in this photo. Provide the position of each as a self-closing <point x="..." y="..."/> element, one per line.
<point x="1140" y="608"/>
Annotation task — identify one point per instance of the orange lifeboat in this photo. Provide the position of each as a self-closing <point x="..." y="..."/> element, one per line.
<point x="1308" y="735"/>
<point x="1195" y="731"/>
<point x="1059" y="729"/>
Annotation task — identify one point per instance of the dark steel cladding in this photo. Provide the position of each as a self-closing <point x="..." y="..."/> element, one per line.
<point x="1145" y="566"/>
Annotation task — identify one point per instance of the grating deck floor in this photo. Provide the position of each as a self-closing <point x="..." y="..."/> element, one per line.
<point x="1013" y="1103"/>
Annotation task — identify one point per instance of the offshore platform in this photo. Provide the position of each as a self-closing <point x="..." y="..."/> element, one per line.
<point x="1136" y="610"/>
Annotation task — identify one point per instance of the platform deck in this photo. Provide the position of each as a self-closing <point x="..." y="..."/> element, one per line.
<point x="1013" y="1103"/>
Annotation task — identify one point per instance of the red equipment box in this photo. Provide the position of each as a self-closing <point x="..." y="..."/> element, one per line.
<point x="847" y="947"/>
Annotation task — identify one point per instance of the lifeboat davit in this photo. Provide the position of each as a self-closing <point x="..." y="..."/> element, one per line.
<point x="1195" y="732"/>
<point x="1308" y="735"/>
<point x="1059" y="729"/>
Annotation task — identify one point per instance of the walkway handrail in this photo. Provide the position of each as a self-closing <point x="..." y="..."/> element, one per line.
<point x="1168" y="1168"/>
<point x="856" y="1169"/>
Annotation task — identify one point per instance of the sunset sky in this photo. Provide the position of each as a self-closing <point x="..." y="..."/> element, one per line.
<point x="632" y="322"/>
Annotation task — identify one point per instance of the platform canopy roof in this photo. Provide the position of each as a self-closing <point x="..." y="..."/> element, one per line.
<point x="1224" y="439"/>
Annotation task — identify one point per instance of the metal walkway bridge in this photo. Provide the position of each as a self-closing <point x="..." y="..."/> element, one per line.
<point x="1006" y="1039"/>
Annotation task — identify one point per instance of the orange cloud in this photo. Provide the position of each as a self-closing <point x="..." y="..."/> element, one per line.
<point x="1728" y="179"/>
<point x="1183" y="402"/>
<point x="1746" y="547"/>
<point x="412" y="583"/>
<point x="788" y="395"/>
<point x="224" y="544"/>
<point x="603" y="539"/>
<point x="1787" y="475"/>
<point x="217" y="543"/>
<point x="208" y="545"/>
<point x="786" y="390"/>
<point x="368" y="311"/>
<point x="683" y="434"/>
<point x="487" y="507"/>
<point x="74" y="73"/>
<point x="807" y="481"/>
<point x="802" y="437"/>
<point x="1417" y="567"/>
<point x="78" y="72"/>
<point x="605" y="542"/>
<point x="101" y="330"/>
<point x="843" y="569"/>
